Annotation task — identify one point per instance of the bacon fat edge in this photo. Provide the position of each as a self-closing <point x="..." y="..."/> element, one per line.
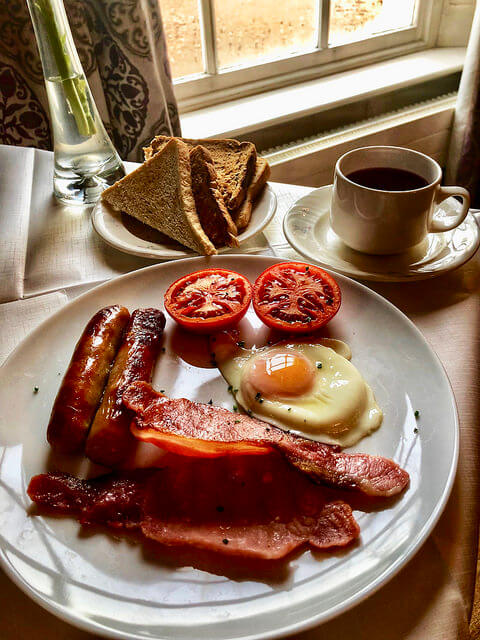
<point x="201" y="430"/>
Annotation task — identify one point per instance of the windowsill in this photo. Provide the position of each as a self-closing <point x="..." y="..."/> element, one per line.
<point x="250" y="116"/>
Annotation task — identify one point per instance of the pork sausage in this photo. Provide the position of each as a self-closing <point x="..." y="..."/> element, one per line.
<point x="84" y="381"/>
<point x="110" y="440"/>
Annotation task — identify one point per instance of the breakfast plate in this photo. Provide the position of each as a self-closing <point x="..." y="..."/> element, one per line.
<point x="111" y="587"/>
<point x="307" y="229"/>
<point x="131" y="236"/>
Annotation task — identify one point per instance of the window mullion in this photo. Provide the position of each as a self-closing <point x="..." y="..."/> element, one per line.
<point x="324" y="23"/>
<point x="207" y="28"/>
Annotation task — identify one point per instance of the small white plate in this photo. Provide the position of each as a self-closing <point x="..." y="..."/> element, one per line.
<point x="131" y="236"/>
<point x="307" y="229"/>
<point x="108" y="586"/>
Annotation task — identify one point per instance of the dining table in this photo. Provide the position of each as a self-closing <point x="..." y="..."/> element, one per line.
<point x="50" y="254"/>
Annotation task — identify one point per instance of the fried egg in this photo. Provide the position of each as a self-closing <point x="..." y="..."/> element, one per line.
<point x="307" y="387"/>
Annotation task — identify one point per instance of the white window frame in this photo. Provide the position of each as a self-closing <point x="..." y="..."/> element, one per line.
<point x="215" y="86"/>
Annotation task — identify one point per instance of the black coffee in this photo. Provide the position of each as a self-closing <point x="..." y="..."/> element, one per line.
<point x="387" y="179"/>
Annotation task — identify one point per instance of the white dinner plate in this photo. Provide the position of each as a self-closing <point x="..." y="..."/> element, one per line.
<point x="131" y="236"/>
<point x="307" y="229"/>
<point x="109" y="586"/>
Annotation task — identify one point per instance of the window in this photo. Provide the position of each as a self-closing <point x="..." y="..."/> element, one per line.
<point x="221" y="49"/>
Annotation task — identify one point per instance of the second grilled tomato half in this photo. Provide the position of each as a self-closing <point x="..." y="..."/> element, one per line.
<point x="295" y="297"/>
<point x="208" y="300"/>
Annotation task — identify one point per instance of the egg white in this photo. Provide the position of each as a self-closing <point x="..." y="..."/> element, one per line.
<point x="340" y="408"/>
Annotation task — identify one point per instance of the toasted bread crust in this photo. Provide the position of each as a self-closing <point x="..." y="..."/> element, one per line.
<point x="211" y="210"/>
<point x="234" y="162"/>
<point x="244" y="213"/>
<point x="159" y="193"/>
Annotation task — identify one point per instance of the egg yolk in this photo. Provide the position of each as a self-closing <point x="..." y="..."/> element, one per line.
<point x="283" y="373"/>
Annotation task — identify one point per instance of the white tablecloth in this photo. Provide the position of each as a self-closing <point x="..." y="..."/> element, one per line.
<point x="49" y="253"/>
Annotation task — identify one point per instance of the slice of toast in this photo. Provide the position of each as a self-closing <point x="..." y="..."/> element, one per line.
<point x="159" y="193"/>
<point x="244" y="213"/>
<point x="211" y="210"/>
<point x="234" y="162"/>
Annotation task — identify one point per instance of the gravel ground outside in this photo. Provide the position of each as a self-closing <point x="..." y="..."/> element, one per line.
<point x="250" y="29"/>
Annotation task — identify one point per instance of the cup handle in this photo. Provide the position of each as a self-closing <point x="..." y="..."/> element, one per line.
<point x="440" y="224"/>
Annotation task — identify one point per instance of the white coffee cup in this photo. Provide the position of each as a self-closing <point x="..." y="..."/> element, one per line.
<point x="385" y="222"/>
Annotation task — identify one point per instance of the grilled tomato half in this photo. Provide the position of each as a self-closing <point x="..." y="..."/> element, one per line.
<point x="295" y="297"/>
<point x="208" y="300"/>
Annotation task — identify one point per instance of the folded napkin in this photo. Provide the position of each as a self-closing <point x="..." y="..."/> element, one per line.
<point x="16" y="171"/>
<point x="44" y="244"/>
<point x="20" y="317"/>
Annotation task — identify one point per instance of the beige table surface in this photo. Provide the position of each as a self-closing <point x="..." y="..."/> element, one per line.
<point x="54" y="249"/>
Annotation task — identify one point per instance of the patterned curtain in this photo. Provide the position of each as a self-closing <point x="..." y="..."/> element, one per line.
<point x="122" y="48"/>
<point x="463" y="165"/>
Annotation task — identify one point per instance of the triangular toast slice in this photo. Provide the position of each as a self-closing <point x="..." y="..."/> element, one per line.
<point x="234" y="161"/>
<point x="244" y="213"/>
<point x="211" y="210"/>
<point x="159" y="193"/>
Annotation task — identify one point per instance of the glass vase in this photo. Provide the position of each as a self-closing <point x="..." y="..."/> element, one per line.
<point x="85" y="159"/>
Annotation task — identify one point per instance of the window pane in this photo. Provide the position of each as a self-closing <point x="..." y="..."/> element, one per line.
<point x="356" y="19"/>
<point x="182" y="28"/>
<point x="250" y="30"/>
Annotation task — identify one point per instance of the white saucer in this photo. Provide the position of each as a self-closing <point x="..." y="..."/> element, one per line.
<point x="307" y="229"/>
<point x="131" y="236"/>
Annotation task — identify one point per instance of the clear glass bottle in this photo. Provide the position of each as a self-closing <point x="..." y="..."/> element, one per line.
<point x="86" y="161"/>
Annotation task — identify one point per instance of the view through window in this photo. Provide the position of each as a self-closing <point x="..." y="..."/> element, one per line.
<point x="182" y="28"/>
<point x="263" y="29"/>
<point x="351" y="20"/>
<point x="247" y="32"/>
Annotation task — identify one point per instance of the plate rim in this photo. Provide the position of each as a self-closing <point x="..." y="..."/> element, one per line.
<point x="186" y="253"/>
<point x="370" y="275"/>
<point x="76" y="620"/>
